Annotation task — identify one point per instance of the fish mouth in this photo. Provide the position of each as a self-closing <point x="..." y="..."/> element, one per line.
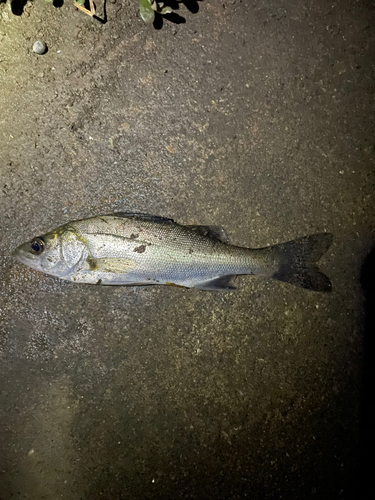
<point x="22" y="254"/>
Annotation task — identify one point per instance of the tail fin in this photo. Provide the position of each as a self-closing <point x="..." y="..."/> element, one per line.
<point x="298" y="262"/>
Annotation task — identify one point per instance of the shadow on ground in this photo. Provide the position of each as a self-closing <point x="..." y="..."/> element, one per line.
<point x="368" y="402"/>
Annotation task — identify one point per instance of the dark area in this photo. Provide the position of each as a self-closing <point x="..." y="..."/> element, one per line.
<point x="173" y="18"/>
<point x="58" y="3"/>
<point x="102" y="19"/>
<point x="191" y="5"/>
<point x="366" y="485"/>
<point x="158" y="22"/>
<point x="87" y="5"/>
<point x="18" y="7"/>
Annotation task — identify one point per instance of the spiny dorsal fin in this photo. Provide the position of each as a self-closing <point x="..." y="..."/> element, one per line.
<point x="152" y="218"/>
<point x="214" y="232"/>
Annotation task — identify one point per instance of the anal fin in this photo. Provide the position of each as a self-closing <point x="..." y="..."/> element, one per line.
<point x="221" y="284"/>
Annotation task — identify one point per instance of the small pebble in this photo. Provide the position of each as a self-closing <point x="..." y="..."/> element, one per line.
<point x="39" y="47"/>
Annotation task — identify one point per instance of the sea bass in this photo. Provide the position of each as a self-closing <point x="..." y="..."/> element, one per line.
<point x="140" y="249"/>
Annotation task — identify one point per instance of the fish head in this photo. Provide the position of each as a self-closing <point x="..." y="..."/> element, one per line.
<point x="58" y="252"/>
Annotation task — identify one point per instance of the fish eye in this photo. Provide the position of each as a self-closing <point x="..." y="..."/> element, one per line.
<point x="37" y="245"/>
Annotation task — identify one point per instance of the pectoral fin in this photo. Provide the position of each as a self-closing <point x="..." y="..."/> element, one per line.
<point x="214" y="232"/>
<point x="116" y="266"/>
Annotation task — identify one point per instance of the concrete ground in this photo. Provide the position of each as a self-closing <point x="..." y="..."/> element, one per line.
<point x="254" y="115"/>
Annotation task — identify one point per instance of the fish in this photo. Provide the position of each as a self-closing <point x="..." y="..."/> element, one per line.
<point x="127" y="248"/>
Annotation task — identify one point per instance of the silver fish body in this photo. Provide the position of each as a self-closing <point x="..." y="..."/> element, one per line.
<point x="138" y="249"/>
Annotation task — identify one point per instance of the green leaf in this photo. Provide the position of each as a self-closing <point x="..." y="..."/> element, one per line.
<point x="146" y="11"/>
<point x="166" y="10"/>
<point x="80" y="2"/>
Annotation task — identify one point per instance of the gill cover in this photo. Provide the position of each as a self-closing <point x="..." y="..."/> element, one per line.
<point x="73" y="250"/>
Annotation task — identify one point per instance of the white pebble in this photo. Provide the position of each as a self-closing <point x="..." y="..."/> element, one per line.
<point x="39" y="47"/>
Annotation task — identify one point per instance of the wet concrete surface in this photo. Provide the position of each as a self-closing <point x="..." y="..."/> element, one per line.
<point x="257" y="116"/>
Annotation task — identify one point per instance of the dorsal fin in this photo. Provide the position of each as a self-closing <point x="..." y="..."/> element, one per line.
<point x="214" y="232"/>
<point x="152" y="218"/>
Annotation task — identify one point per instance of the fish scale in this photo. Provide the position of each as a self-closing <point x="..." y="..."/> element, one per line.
<point x="139" y="249"/>
<point x="163" y="253"/>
